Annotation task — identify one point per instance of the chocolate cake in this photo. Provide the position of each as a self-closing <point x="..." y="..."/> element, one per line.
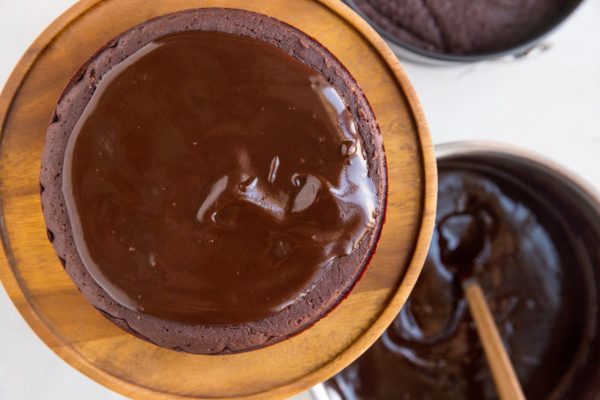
<point x="464" y="26"/>
<point x="213" y="181"/>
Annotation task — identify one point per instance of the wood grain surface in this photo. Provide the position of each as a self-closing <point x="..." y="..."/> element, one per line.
<point x="58" y="313"/>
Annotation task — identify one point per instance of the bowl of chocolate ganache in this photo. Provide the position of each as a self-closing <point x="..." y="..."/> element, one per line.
<point x="216" y="182"/>
<point x="451" y="31"/>
<point x="539" y="269"/>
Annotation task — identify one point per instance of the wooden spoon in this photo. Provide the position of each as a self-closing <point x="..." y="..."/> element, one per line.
<point x="505" y="378"/>
<point x="464" y="245"/>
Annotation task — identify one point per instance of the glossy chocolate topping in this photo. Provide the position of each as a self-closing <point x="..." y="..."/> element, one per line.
<point x="212" y="178"/>
<point x="514" y="243"/>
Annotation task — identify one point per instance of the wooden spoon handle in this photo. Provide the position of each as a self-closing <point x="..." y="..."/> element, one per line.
<point x="505" y="378"/>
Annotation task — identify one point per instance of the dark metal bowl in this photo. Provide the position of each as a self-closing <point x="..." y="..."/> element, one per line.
<point x="579" y="207"/>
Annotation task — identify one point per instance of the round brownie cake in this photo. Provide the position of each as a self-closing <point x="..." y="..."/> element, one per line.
<point x="213" y="181"/>
<point x="465" y="26"/>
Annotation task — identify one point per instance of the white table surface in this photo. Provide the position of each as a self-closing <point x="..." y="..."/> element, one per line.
<point x="549" y="103"/>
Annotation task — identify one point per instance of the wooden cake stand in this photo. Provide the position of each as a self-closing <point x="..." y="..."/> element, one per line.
<point x="59" y="314"/>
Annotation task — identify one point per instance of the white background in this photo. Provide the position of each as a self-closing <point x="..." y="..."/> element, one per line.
<point x="549" y="103"/>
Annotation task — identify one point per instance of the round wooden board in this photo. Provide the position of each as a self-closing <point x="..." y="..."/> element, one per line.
<point x="59" y="314"/>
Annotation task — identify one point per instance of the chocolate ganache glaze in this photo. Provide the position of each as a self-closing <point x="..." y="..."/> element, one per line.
<point x="525" y="260"/>
<point x="212" y="177"/>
